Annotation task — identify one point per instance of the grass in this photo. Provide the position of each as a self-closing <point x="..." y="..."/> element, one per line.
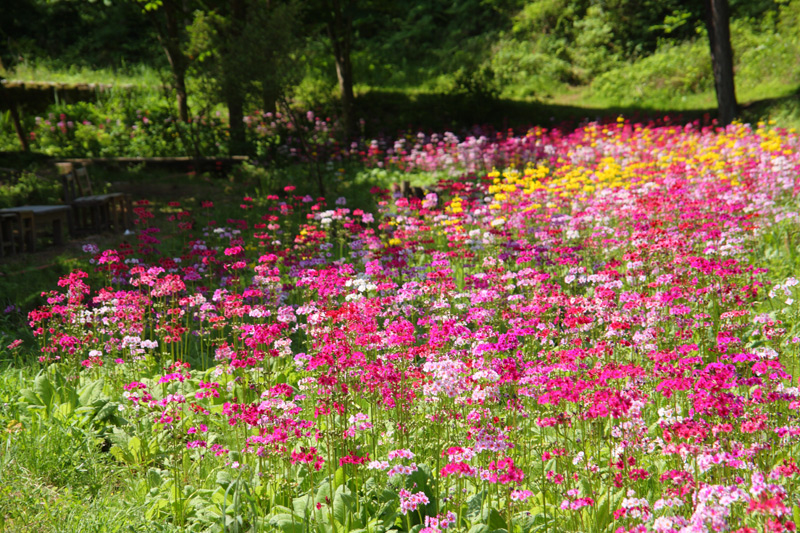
<point x="140" y="75"/>
<point x="55" y="476"/>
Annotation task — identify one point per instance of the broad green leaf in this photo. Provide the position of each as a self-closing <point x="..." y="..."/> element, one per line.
<point x="323" y="491"/>
<point x="479" y="528"/>
<point x="44" y="390"/>
<point x="91" y="392"/>
<point x="496" y="520"/>
<point x="218" y="497"/>
<point x="474" y="506"/>
<point x="135" y="448"/>
<point x="224" y="478"/>
<point x="303" y="506"/>
<point x="119" y="454"/>
<point x="342" y="505"/>
<point x="155" y="510"/>
<point x="154" y="478"/>
<point x="31" y="398"/>
<point x="104" y="410"/>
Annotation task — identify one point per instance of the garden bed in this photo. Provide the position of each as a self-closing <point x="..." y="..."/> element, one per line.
<point x="603" y="336"/>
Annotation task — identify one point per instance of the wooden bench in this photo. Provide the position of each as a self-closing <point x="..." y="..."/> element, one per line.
<point x="8" y="223"/>
<point x="93" y="212"/>
<point x="26" y="221"/>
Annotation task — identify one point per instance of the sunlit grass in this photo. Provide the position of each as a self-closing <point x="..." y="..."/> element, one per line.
<point x="43" y="71"/>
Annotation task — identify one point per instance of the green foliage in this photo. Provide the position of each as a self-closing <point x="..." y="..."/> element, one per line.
<point x="765" y="53"/>
<point x="43" y="69"/>
<point x="120" y="123"/>
<point x="594" y="50"/>
<point x="525" y="71"/>
<point x="29" y="189"/>
<point x="648" y="54"/>
<point x="54" y="474"/>
<point x="92" y="34"/>
<point x="241" y="52"/>
<point x="682" y="69"/>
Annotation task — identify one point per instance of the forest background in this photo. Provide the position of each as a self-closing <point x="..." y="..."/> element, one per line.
<point x="380" y="67"/>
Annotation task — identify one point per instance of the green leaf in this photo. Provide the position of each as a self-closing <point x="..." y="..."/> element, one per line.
<point x="324" y="491"/>
<point x="154" y="478"/>
<point x="288" y="523"/>
<point x="479" y="528"/>
<point x="65" y="410"/>
<point x="224" y="478"/>
<point x="135" y="447"/>
<point x="91" y="392"/>
<point x="475" y="506"/>
<point x="496" y="520"/>
<point x="118" y="454"/>
<point x="31" y="398"/>
<point x="218" y="497"/>
<point x="44" y="389"/>
<point x="156" y="508"/>
<point x="343" y="504"/>
<point x="303" y="505"/>
<point x="603" y="510"/>
<point x="104" y="410"/>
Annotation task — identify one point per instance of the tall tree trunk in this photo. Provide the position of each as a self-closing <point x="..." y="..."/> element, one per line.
<point x="719" y="38"/>
<point x="269" y="97"/>
<point x="236" y="117"/>
<point x="340" y="32"/>
<point x="180" y="89"/>
<point x="233" y="82"/>
<point x="169" y="35"/>
<point x="23" y="138"/>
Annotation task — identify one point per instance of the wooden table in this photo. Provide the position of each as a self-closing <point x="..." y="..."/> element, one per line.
<point x="31" y="218"/>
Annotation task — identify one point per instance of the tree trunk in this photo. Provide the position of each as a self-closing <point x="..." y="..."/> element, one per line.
<point x="340" y="32"/>
<point x="344" y="72"/>
<point x="23" y="139"/>
<point x="719" y="38"/>
<point x="269" y="97"/>
<point x="169" y="35"/>
<point x="180" y="89"/>
<point x="236" y="118"/>
<point x="233" y="83"/>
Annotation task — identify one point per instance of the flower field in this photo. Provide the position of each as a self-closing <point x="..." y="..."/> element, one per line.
<point x="600" y="337"/>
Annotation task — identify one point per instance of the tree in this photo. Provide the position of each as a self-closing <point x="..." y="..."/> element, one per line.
<point x="241" y="49"/>
<point x="719" y="37"/>
<point x="338" y="15"/>
<point x="169" y="19"/>
<point x="233" y="90"/>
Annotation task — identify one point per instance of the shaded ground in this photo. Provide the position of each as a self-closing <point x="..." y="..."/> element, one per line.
<point x="24" y="276"/>
<point x="390" y="112"/>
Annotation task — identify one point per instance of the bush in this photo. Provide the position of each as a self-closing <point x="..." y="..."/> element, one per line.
<point x="29" y="189"/>
<point x="682" y="69"/>
<point x="130" y="123"/>
<point x="523" y="70"/>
